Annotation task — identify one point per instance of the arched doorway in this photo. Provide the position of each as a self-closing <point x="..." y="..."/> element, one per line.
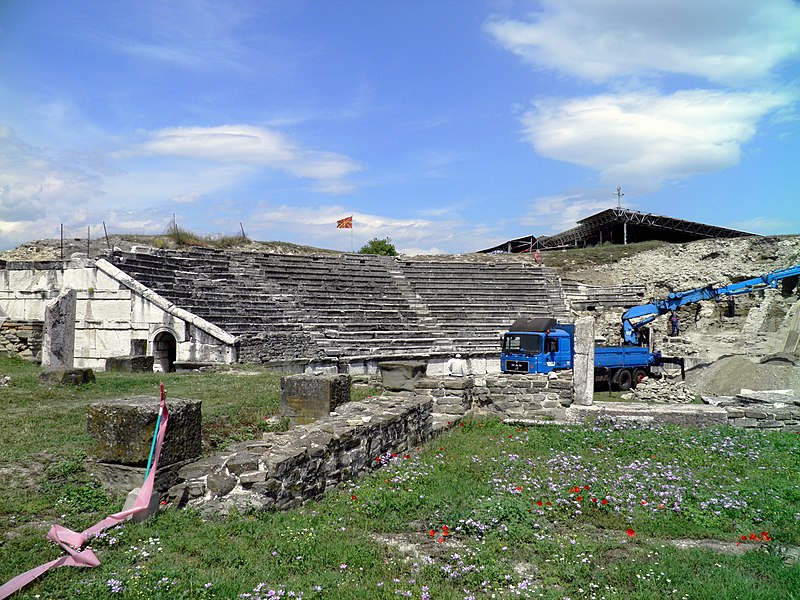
<point x="165" y="351"/>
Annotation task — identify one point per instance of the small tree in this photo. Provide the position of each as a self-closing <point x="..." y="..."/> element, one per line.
<point x="384" y="247"/>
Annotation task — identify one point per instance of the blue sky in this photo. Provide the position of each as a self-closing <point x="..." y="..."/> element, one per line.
<point x="446" y="125"/>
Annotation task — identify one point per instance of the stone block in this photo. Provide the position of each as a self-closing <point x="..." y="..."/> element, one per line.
<point x="123" y="478"/>
<point x="306" y="398"/>
<point x="584" y="335"/>
<point x="67" y="376"/>
<point x="243" y="462"/>
<point x="220" y="483"/>
<point x="130" y="364"/>
<point x="398" y="376"/>
<point x="58" y="349"/>
<point x="122" y="430"/>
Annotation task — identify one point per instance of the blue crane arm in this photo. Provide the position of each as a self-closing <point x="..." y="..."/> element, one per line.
<point x="636" y="317"/>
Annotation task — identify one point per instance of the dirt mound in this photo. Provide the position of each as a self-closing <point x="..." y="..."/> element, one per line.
<point x="730" y="374"/>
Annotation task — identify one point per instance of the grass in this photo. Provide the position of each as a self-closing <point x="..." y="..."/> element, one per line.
<point x="487" y="510"/>
<point x="576" y="258"/>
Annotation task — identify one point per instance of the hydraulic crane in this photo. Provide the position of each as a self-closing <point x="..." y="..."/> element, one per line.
<point x="638" y="316"/>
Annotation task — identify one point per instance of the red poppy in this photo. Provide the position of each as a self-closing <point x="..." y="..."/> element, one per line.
<point x="407" y="456"/>
<point x="579" y="498"/>
<point x="604" y="501"/>
<point x="539" y="503"/>
<point x="630" y="532"/>
<point x="744" y="538"/>
<point x="753" y="536"/>
<point x="594" y="499"/>
<point x="765" y="536"/>
<point x="519" y="488"/>
<point x="353" y="497"/>
<point x="440" y="540"/>
<point x="432" y="532"/>
<point x="548" y="503"/>
<point x="586" y="487"/>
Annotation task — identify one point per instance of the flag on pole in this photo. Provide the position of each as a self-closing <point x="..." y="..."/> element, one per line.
<point x="346" y="223"/>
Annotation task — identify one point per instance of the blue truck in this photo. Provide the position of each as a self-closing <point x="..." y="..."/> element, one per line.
<point x="542" y="344"/>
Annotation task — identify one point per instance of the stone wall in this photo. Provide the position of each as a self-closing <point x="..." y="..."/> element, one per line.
<point x="501" y="396"/>
<point x="285" y="469"/>
<point x="763" y="410"/>
<point x="115" y="315"/>
<point x="21" y="338"/>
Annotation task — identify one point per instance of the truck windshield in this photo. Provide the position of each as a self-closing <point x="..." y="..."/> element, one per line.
<point x="524" y="343"/>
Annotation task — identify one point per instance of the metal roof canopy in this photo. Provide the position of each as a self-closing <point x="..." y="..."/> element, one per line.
<point x="620" y="226"/>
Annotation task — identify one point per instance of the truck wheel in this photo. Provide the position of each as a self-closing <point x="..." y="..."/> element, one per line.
<point x="624" y="380"/>
<point x="638" y="375"/>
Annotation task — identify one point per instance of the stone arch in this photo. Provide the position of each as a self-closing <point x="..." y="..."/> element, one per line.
<point x="165" y="351"/>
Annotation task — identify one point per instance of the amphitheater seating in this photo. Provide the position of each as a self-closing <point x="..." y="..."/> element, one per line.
<point x="339" y="306"/>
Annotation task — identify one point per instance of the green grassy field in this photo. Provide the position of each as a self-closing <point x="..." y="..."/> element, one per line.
<point x="485" y="511"/>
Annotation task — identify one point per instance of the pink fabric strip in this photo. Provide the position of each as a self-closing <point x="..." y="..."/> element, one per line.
<point x="71" y="541"/>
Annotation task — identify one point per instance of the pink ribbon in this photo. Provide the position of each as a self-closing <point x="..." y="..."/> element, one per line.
<point x="72" y="542"/>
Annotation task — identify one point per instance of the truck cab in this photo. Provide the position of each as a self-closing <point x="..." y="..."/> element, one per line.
<point x="538" y="351"/>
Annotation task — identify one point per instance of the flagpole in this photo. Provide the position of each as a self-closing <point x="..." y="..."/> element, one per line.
<point x="351" y="237"/>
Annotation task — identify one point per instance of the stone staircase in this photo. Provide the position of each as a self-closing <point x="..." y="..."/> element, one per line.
<point x="345" y="306"/>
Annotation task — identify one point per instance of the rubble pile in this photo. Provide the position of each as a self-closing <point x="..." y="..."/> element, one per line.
<point x="685" y="266"/>
<point x="662" y="391"/>
<point x="731" y="374"/>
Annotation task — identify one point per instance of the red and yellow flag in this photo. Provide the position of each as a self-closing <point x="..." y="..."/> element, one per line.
<point x="346" y="223"/>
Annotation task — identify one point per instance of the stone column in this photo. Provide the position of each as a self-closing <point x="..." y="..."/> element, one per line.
<point x="58" y="347"/>
<point x="583" y="367"/>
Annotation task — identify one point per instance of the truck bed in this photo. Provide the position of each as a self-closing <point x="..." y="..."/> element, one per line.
<point x="616" y="357"/>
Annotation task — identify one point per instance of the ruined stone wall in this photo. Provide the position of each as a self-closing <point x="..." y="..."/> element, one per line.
<point x="775" y="410"/>
<point x="21" y="338"/>
<point x="501" y="396"/>
<point x="524" y="396"/>
<point x="285" y="469"/>
<point x="114" y="315"/>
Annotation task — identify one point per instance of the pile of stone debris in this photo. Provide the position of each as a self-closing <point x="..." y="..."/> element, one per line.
<point x="663" y="391"/>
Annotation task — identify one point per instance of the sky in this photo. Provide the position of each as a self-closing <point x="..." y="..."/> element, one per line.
<point x="448" y="126"/>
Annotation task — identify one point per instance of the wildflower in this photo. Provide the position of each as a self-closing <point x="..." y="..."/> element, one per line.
<point x="353" y="497"/>
<point x="604" y="501"/>
<point x="342" y="566"/>
<point x="539" y="503"/>
<point x="630" y="532"/>
<point x="432" y="532"/>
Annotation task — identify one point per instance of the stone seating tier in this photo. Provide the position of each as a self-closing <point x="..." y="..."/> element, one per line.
<point x="344" y="305"/>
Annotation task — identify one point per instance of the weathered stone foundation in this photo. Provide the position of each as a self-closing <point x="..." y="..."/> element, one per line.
<point x="21" y="338"/>
<point x="285" y="469"/>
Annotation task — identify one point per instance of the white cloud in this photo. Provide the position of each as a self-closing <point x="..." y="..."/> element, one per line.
<point x="553" y="214"/>
<point x="251" y="145"/>
<point x="723" y="41"/>
<point x="36" y="185"/>
<point x="186" y="198"/>
<point x="646" y="138"/>
<point x="766" y="225"/>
